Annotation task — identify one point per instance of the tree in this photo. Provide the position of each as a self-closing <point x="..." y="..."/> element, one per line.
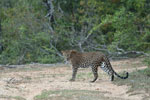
<point x="37" y="30"/>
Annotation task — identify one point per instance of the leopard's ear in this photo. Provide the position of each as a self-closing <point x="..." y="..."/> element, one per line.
<point x="72" y="53"/>
<point x="62" y="51"/>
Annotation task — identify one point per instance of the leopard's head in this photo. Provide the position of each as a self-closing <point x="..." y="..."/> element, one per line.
<point x="68" y="54"/>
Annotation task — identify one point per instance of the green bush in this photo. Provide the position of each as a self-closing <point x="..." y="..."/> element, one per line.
<point x="147" y="61"/>
<point x="29" y="36"/>
<point x="23" y="39"/>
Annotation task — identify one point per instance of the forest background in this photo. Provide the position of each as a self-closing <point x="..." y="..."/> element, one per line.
<point x="38" y="30"/>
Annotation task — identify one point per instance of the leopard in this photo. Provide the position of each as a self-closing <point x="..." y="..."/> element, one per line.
<point x="94" y="60"/>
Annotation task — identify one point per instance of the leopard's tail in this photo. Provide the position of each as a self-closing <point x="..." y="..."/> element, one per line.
<point x="122" y="77"/>
<point x="111" y="69"/>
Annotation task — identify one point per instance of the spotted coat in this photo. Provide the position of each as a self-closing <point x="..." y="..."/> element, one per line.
<point x="90" y="59"/>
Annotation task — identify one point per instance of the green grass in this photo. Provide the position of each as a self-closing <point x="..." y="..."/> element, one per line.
<point x="11" y="97"/>
<point x="73" y="95"/>
<point x="138" y="81"/>
<point x="81" y="75"/>
<point x="147" y="61"/>
<point x="88" y="76"/>
<point x="19" y="98"/>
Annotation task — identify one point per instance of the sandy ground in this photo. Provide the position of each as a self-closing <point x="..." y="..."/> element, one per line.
<point x="33" y="79"/>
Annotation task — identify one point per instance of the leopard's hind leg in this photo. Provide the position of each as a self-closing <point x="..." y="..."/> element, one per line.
<point x="112" y="77"/>
<point x="95" y="73"/>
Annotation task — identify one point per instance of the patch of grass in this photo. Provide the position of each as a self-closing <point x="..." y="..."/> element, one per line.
<point x="11" y="97"/>
<point x="82" y="75"/>
<point x="138" y="80"/>
<point x="73" y="95"/>
<point x="19" y="98"/>
<point x="147" y="61"/>
<point x="21" y="69"/>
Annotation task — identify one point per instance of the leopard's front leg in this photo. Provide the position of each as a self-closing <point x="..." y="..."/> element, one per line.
<point x="74" y="72"/>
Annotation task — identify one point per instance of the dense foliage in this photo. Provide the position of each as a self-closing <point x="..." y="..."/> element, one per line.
<point x="37" y="30"/>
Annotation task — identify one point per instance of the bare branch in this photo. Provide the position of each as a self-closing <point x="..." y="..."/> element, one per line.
<point x="57" y="52"/>
<point x="81" y="38"/>
<point x="50" y="8"/>
<point x="49" y="26"/>
<point x="100" y="49"/>
<point x="59" y="8"/>
<point x="80" y="46"/>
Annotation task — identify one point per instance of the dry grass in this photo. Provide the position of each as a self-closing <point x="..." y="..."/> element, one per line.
<point x="46" y="82"/>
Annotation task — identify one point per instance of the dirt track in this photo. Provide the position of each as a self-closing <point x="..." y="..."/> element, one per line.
<point x="33" y="79"/>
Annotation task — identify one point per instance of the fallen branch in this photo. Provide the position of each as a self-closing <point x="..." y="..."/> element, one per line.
<point x="131" y="52"/>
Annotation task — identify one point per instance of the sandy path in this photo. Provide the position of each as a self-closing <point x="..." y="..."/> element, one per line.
<point x="28" y="84"/>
